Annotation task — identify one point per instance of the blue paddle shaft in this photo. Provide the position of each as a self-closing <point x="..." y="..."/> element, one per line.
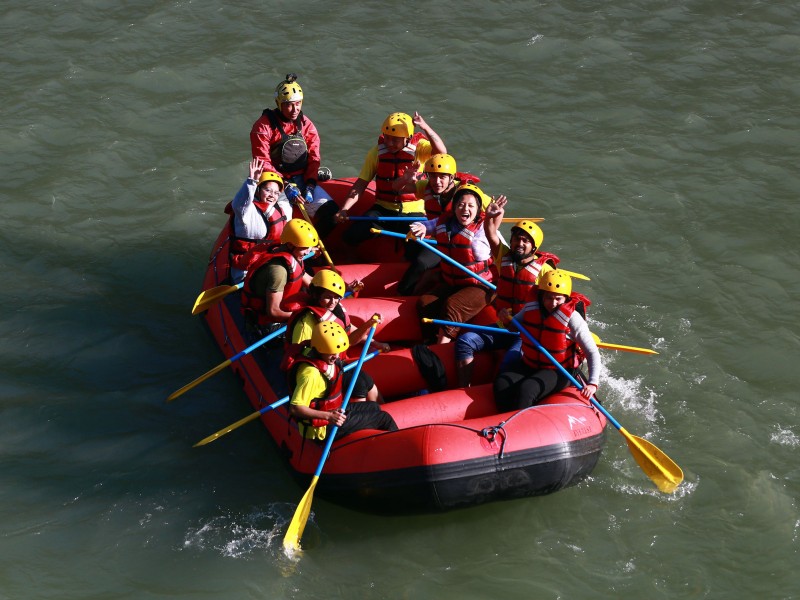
<point x="561" y="368"/>
<point x="444" y="256"/>
<point x="406" y="219"/>
<point x="475" y="327"/>
<point x="267" y="338"/>
<point x="335" y="428"/>
<point x="285" y="399"/>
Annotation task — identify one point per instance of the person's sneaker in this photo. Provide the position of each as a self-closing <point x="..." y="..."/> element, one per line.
<point x="323" y="174"/>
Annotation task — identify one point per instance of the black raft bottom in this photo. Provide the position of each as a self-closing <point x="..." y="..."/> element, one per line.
<point x="443" y="487"/>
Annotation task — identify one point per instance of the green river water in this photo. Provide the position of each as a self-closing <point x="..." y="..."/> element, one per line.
<point x="658" y="139"/>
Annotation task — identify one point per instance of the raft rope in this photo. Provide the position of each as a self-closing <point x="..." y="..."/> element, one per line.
<point x="490" y="432"/>
<point x="229" y="341"/>
<point x="213" y="258"/>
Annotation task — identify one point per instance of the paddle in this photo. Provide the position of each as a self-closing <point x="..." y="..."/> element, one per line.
<point x="429" y="245"/>
<point x="507" y="332"/>
<point x="656" y="465"/>
<point x="574" y="275"/>
<point x="225" y="363"/>
<point x="258" y="413"/>
<point x="659" y="467"/>
<point x="232" y="359"/>
<point x="438" y="252"/>
<point x="292" y="193"/>
<point x="291" y="541"/>
<point x="209" y="297"/>
<point x="410" y="219"/>
<point x="623" y="348"/>
<point x="378" y="218"/>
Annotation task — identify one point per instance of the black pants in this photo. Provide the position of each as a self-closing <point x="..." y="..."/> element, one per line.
<point x="520" y="387"/>
<point x="364" y="383"/>
<point x="366" y="415"/>
<point x="324" y="221"/>
<point x="359" y="231"/>
<point x="423" y="261"/>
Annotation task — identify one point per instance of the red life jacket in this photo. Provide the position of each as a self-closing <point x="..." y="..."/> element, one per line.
<point x="517" y="287"/>
<point x="254" y="304"/>
<point x="332" y="398"/>
<point x="458" y="246"/>
<point x="581" y="304"/>
<point x="299" y="305"/>
<point x="435" y="206"/>
<point x="551" y="331"/>
<point x="391" y="166"/>
<point x="274" y="219"/>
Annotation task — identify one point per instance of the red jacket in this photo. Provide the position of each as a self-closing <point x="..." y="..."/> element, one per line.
<point x="263" y="137"/>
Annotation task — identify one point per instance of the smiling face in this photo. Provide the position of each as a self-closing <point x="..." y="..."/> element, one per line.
<point x="466" y="209"/>
<point x="298" y="251"/>
<point x="268" y="192"/>
<point x="521" y="245"/>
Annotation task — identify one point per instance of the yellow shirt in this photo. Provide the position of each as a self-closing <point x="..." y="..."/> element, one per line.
<point x="310" y="385"/>
<point x="303" y="328"/>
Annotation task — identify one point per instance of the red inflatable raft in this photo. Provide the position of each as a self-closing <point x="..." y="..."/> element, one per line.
<point x="453" y="448"/>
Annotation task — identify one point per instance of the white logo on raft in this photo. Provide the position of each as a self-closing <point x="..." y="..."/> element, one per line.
<point x="576" y="421"/>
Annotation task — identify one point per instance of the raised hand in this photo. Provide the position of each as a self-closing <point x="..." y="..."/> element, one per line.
<point x="256" y="167"/>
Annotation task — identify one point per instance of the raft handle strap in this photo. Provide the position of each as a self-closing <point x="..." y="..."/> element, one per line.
<point x="491" y="432"/>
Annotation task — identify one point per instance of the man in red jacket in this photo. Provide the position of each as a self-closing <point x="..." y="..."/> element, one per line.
<point x="287" y="142"/>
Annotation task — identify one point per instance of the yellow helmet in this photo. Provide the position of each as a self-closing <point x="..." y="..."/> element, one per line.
<point x="328" y="337"/>
<point x="329" y="280"/>
<point x="532" y="229"/>
<point x="441" y="163"/>
<point x="471" y="188"/>
<point x="557" y="282"/>
<point x="270" y="176"/>
<point x="300" y="233"/>
<point x="288" y="90"/>
<point x="399" y="125"/>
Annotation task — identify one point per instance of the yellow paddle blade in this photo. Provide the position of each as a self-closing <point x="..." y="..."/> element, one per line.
<point x="208" y="298"/>
<point x="626" y="348"/>
<point x="228" y="429"/>
<point x="574" y="275"/>
<point x="623" y="348"/>
<point x="518" y="219"/>
<point x="199" y="380"/>
<point x="659" y="467"/>
<point x="291" y="541"/>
